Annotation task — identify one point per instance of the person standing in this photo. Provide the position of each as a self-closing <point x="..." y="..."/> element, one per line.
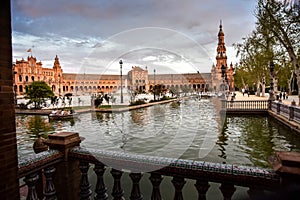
<point x="280" y="95"/>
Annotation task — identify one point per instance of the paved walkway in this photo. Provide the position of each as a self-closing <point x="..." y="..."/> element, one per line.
<point x="240" y="97"/>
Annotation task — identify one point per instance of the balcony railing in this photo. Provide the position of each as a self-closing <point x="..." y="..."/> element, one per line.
<point x="228" y="176"/>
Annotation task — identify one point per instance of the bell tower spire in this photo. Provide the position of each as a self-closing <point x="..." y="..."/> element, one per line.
<point x="221" y="49"/>
<point x="219" y="78"/>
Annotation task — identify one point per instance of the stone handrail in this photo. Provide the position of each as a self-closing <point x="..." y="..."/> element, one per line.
<point x="38" y="161"/>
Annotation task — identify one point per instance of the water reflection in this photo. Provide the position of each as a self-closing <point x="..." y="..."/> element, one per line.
<point x="28" y="128"/>
<point x="140" y="116"/>
<point x="222" y="141"/>
<point x="251" y="140"/>
<point x="36" y="125"/>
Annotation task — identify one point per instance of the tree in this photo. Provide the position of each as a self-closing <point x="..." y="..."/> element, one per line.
<point x="276" y="38"/>
<point x="37" y="93"/>
<point x="255" y="52"/>
<point x="282" y="22"/>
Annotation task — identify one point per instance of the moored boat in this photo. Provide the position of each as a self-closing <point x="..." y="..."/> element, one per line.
<point x="62" y="115"/>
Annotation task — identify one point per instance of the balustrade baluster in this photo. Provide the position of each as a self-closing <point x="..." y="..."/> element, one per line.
<point x="117" y="191"/>
<point x="255" y="192"/>
<point x="291" y="112"/>
<point x="50" y="192"/>
<point x="155" y="180"/>
<point x="227" y="190"/>
<point x="202" y="187"/>
<point x="100" y="186"/>
<point x="30" y="181"/>
<point x="85" y="192"/>
<point x="178" y="183"/>
<point x="135" y="192"/>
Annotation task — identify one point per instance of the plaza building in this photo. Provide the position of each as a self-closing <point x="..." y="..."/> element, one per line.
<point x="137" y="80"/>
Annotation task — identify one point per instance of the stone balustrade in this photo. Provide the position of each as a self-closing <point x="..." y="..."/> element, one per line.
<point x="247" y="105"/>
<point x="72" y="162"/>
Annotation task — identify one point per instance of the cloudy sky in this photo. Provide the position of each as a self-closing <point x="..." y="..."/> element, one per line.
<point x="92" y="36"/>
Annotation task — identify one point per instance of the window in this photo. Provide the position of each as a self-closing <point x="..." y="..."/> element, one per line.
<point x="20" y="88"/>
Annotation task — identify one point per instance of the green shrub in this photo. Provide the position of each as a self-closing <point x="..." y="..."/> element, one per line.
<point x="138" y="102"/>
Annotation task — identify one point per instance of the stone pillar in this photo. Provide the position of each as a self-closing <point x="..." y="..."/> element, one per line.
<point x="67" y="178"/>
<point x="9" y="184"/>
<point x="287" y="165"/>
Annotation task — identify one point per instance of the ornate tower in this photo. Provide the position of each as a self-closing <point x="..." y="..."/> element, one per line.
<point x="221" y="50"/>
<point x="58" y="77"/>
<point x="221" y="59"/>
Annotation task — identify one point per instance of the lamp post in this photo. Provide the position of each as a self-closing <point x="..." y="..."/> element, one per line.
<point x="154" y="87"/>
<point x="121" y="63"/>
<point x="271" y="91"/>
<point x="223" y="68"/>
<point x="59" y="85"/>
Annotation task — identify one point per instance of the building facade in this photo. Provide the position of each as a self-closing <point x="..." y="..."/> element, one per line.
<point x="136" y="80"/>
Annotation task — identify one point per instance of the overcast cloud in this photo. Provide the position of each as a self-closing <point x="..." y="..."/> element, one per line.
<point x="92" y="36"/>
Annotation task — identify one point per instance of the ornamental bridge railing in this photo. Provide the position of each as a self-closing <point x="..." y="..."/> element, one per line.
<point x="253" y="106"/>
<point x="63" y="173"/>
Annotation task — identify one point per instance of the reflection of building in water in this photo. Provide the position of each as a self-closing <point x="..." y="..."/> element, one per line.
<point x="37" y="124"/>
<point x="140" y="116"/>
<point x="137" y="79"/>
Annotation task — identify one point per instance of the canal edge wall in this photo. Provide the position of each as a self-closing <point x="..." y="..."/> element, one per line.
<point x="289" y="123"/>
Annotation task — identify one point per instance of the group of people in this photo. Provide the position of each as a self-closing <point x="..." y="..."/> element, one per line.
<point x="281" y="95"/>
<point x="245" y="92"/>
<point x="61" y="112"/>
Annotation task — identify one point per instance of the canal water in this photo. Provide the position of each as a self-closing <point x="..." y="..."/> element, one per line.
<point x="190" y="130"/>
